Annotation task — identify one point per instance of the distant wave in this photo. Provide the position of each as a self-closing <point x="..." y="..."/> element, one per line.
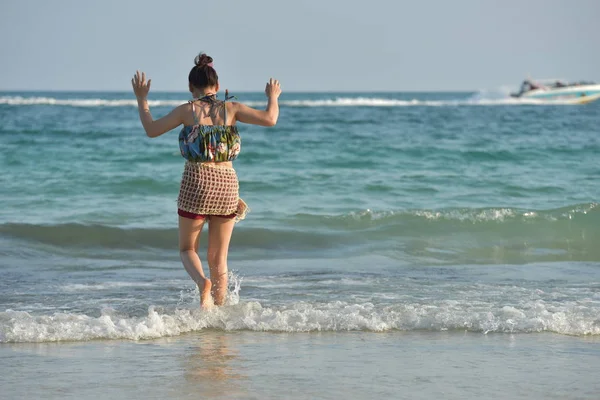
<point x="332" y="102"/>
<point x="575" y="318"/>
<point x="385" y="102"/>
<point x="51" y="101"/>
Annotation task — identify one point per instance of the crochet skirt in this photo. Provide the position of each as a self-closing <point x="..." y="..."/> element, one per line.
<point x="209" y="189"/>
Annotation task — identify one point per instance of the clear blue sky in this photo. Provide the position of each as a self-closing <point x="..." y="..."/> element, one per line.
<point x="346" y="45"/>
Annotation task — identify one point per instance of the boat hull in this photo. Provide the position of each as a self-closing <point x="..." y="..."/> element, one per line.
<point x="571" y="94"/>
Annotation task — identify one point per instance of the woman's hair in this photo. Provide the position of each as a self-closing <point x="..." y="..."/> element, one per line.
<point x="203" y="74"/>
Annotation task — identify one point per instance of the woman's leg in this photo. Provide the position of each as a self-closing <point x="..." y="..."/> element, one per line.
<point x="219" y="236"/>
<point x="189" y="236"/>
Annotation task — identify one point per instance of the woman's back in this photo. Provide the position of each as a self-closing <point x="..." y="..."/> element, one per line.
<point x="207" y="135"/>
<point x="208" y="111"/>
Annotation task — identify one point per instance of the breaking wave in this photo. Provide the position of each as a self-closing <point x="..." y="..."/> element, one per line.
<point x="578" y="319"/>
<point x="475" y="100"/>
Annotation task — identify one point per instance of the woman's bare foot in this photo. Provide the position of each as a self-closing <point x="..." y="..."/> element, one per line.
<point x="205" y="296"/>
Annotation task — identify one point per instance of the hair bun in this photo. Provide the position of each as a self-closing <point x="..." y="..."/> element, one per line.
<point x="203" y="60"/>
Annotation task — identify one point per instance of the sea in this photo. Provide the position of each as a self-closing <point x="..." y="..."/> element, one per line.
<point x="399" y="245"/>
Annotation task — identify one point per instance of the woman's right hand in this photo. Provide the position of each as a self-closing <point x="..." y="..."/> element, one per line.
<point x="273" y="89"/>
<point x="141" y="87"/>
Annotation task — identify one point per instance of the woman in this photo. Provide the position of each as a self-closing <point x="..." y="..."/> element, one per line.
<point x="209" y="141"/>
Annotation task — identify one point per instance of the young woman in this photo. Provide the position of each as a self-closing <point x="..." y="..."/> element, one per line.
<point x="209" y="191"/>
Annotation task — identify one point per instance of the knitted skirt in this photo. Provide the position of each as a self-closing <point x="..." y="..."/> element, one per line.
<point x="209" y="189"/>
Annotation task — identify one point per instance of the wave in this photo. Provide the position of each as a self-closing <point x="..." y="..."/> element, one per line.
<point x="331" y="102"/>
<point x="80" y="235"/>
<point x="579" y="225"/>
<point x="475" y="215"/>
<point x="576" y="319"/>
<point x="51" y="101"/>
<point x="386" y="102"/>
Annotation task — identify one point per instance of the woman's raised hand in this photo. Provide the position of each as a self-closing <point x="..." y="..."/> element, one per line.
<point x="141" y="87"/>
<point x="273" y="89"/>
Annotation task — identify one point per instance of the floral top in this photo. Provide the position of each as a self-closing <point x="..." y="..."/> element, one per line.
<point x="217" y="143"/>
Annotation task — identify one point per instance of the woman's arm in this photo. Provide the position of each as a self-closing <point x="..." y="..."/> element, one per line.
<point x="162" y="125"/>
<point x="267" y="117"/>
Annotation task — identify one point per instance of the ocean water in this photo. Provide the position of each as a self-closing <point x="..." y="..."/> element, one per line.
<point x="458" y="229"/>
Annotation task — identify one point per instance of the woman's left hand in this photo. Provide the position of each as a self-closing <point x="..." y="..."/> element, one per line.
<point x="141" y="87"/>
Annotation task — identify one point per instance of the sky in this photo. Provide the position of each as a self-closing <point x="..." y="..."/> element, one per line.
<point x="309" y="45"/>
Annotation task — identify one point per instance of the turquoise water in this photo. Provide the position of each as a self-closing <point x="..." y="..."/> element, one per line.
<point x="396" y="213"/>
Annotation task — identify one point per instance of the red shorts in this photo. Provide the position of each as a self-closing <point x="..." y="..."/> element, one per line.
<point x="190" y="215"/>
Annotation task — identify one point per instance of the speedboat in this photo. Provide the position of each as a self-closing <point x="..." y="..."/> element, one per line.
<point x="559" y="91"/>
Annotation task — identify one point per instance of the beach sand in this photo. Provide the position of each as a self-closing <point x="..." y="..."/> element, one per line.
<point x="348" y="365"/>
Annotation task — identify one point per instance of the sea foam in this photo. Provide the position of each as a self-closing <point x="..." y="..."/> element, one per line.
<point x="569" y="319"/>
<point x="339" y="101"/>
